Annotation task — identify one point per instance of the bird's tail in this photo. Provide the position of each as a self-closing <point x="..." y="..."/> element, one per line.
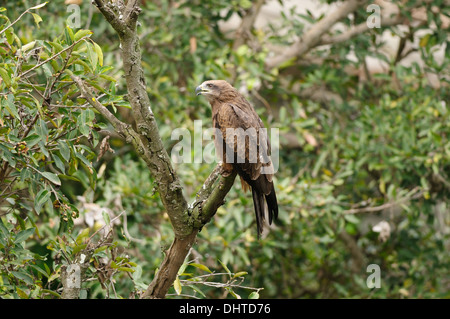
<point x="258" y="203"/>
<point x="272" y="205"/>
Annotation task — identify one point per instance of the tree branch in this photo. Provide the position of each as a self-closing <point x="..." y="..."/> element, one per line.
<point x="209" y="199"/>
<point x="108" y="11"/>
<point x="123" y="129"/>
<point x="312" y="37"/>
<point x="360" y="28"/>
<point x="124" y="19"/>
<point x="73" y="275"/>
<point x="243" y="31"/>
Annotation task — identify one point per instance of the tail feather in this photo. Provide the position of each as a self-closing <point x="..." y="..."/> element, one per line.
<point x="263" y="190"/>
<point x="258" y="203"/>
<point x="272" y="205"/>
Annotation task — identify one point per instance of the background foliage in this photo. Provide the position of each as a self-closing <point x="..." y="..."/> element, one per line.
<point x="360" y="149"/>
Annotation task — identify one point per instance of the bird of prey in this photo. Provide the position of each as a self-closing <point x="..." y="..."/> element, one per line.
<point x="242" y="144"/>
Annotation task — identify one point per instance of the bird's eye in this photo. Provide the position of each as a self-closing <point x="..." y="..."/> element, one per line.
<point x="209" y="85"/>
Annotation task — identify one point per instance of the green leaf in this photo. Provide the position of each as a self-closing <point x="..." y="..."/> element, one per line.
<point x="38" y="6"/>
<point x="54" y="276"/>
<point x="194" y="287"/>
<point x="78" y="248"/>
<point x="225" y="267"/>
<point x="233" y="293"/>
<point x="282" y="114"/>
<point x="240" y="274"/>
<point x="424" y="40"/>
<point x="92" y="56"/>
<point x="72" y="178"/>
<point x="41" y="129"/>
<point x="8" y="156"/>
<point x="254" y="295"/>
<point x="319" y="163"/>
<point x="41" y="198"/>
<point x="52" y="178"/>
<point x="57" y="46"/>
<point x="100" y="249"/>
<point x="83" y="120"/>
<point x="109" y="78"/>
<point x="177" y="285"/>
<point x="99" y="52"/>
<point x="34" y="226"/>
<point x="64" y="150"/>
<point x="3" y="229"/>
<point x="127" y="269"/>
<point x="106" y="217"/>
<point x="24" y="234"/>
<point x="200" y="266"/>
<point x="28" y="46"/>
<point x="32" y="140"/>
<point x="351" y="218"/>
<point x="51" y="292"/>
<point x="22" y="276"/>
<point x="138" y="273"/>
<point x="47" y="70"/>
<point x="69" y="35"/>
<point x="5" y="77"/>
<point x="10" y="36"/>
<point x="246" y="4"/>
<point x="11" y="107"/>
<point x="2" y="242"/>
<point x="81" y="34"/>
<point x="40" y="270"/>
<point x="22" y="294"/>
<point x="59" y="163"/>
<point x="37" y="18"/>
<point x="84" y="234"/>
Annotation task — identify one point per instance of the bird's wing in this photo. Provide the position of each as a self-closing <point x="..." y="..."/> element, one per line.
<point x="246" y="146"/>
<point x="250" y="147"/>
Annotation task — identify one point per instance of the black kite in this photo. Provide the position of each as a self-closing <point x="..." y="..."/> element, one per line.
<point x="249" y="146"/>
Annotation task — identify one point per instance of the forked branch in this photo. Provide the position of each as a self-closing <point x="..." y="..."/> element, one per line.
<point x="149" y="146"/>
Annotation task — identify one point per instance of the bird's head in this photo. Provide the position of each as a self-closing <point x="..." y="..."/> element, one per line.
<point x="214" y="89"/>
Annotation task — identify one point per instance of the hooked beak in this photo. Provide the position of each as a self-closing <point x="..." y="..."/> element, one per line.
<point x="201" y="90"/>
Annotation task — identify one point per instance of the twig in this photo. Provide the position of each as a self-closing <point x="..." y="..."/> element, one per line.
<point x="408" y="197"/>
<point x="53" y="56"/>
<point x="125" y="229"/>
<point x="101" y="228"/>
<point x="184" y="295"/>
<point x="230" y="283"/>
<point x="122" y="128"/>
<point x="20" y="17"/>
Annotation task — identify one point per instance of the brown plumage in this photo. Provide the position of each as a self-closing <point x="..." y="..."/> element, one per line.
<point x="248" y="147"/>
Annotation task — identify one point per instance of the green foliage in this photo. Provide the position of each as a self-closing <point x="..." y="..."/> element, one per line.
<point x="48" y="134"/>
<point x="360" y="149"/>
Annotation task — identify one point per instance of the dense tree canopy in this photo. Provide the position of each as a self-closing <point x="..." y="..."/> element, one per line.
<point x="364" y="154"/>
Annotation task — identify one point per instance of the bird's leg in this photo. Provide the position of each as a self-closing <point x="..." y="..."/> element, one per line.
<point x="226" y="169"/>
